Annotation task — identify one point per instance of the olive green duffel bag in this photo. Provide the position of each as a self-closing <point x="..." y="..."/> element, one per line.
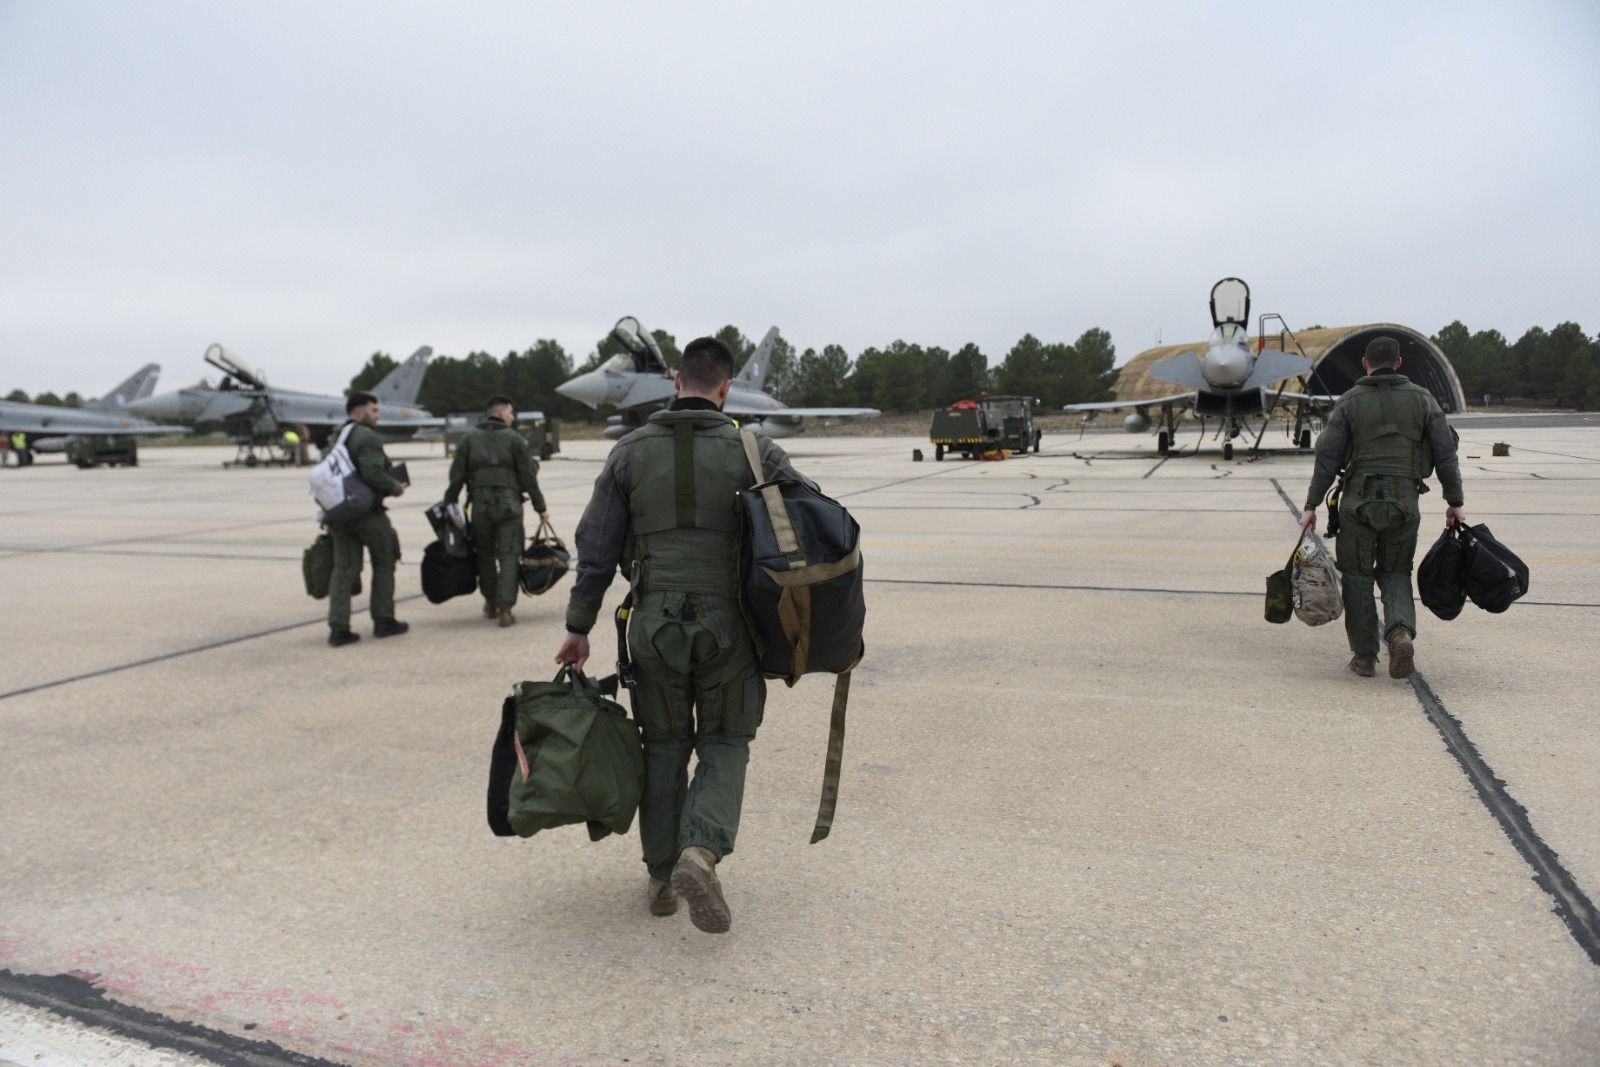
<point x="316" y="566"/>
<point x="565" y="754"/>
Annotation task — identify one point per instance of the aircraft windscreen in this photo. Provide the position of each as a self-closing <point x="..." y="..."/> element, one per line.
<point x="1230" y="302"/>
<point x="622" y="361"/>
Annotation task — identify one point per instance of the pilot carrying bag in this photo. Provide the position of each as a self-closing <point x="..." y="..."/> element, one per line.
<point x="316" y="566"/>
<point x="337" y="488"/>
<point x="800" y="571"/>
<point x="544" y="561"/>
<point x="565" y="753"/>
<point x="445" y="576"/>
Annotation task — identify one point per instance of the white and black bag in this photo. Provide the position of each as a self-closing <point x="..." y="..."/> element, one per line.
<point x="337" y="487"/>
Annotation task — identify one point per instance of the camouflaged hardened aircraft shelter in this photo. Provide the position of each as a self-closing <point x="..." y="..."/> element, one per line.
<point x="1335" y="353"/>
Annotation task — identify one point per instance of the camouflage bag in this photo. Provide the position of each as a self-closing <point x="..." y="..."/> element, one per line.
<point x="1315" y="581"/>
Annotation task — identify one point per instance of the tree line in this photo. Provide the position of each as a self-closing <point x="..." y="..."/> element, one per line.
<point x="1558" y="366"/>
<point x="900" y="376"/>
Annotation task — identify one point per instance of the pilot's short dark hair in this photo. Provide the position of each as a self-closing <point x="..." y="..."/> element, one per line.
<point x="358" y="400"/>
<point x="1383" y="351"/>
<point x="500" y="400"/>
<point x="707" y="363"/>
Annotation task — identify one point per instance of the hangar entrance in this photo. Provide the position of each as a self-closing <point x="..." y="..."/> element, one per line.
<point x="1420" y="360"/>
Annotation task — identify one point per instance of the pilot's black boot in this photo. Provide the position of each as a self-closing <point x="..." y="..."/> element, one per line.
<point x="390" y="628"/>
<point x="342" y="637"/>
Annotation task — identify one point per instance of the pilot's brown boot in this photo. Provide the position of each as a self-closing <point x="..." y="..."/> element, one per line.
<point x="662" y="897"/>
<point x="1401" y="654"/>
<point x="490" y="609"/>
<point x="506" y="618"/>
<point x="695" y="879"/>
<point x="1366" y="666"/>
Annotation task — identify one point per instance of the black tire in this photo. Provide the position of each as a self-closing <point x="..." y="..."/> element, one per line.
<point x="1305" y="438"/>
<point x="1227" y="450"/>
<point x="1163" y="442"/>
<point x="545" y="451"/>
<point x="938" y="453"/>
<point x="1038" y="436"/>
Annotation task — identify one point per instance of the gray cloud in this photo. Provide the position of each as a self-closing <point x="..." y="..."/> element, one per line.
<point x="310" y="183"/>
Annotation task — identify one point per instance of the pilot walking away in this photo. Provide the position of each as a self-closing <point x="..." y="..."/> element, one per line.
<point x="496" y="465"/>
<point x="666" y="501"/>
<point x="1387" y="434"/>
<point x="372" y="531"/>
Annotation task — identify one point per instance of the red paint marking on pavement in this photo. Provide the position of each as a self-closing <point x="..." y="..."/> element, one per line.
<point x="188" y="991"/>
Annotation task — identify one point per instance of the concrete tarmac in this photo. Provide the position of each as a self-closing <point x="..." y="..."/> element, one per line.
<point x="1094" y="809"/>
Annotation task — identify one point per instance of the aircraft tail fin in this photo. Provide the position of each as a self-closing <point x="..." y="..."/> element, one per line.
<point x="138" y="386"/>
<point x="401" y="385"/>
<point x="753" y="374"/>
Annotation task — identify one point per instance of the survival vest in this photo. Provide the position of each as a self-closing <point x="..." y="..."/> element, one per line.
<point x="1387" y="424"/>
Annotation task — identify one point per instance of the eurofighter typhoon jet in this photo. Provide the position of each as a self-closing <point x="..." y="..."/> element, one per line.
<point x="248" y="407"/>
<point x="1227" y="381"/>
<point x="52" y="429"/>
<point x="638" y="381"/>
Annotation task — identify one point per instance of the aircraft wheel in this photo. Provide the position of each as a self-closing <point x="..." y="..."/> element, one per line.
<point x="1227" y="450"/>
<point x="1163" y="442"/>
<point x="1305" y="438"/>
<point x="938" y="453"/>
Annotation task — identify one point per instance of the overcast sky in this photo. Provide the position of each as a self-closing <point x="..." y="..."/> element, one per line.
<point x="308" y="183"/>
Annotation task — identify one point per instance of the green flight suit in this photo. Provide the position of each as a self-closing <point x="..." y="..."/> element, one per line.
<point x="1390" y="433"/>
<point x="496" y="464"/>
<point x="665" y="507"/>
<point x="372" y="532"/>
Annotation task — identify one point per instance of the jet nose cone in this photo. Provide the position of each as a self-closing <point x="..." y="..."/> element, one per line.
<point x="156" y="407"/>
<point x="587" y="389"/>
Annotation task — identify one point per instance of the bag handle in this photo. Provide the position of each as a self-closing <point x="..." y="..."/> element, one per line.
<point x="1296" y="550"/>
<point x="545" y="528"/>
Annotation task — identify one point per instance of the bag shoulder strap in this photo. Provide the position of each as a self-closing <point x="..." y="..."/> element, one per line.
<point x="782" y="528"/>
<point x="344" y="435"/>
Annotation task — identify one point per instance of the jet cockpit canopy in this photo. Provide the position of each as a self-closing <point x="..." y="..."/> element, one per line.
<point x="632" y="335"/>
<point x="1230" y="306"/>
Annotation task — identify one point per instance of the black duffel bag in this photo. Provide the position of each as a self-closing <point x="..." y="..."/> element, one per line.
<point x="1495" y="576"/>
<point x="445" y="576"/>
<point x="800" y="569"/>
<point x="1441" y="578"/>
<point x="544" y="561"/>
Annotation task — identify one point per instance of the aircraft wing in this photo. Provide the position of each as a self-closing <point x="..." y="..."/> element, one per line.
<point x="64" y="422"/>
<point x="1273" y="366"/>
<point x="1310" y="398"/>
<point x="1181" y="369"/>
<point x="1175" y="400"/>
<point x="802" y="413"/>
